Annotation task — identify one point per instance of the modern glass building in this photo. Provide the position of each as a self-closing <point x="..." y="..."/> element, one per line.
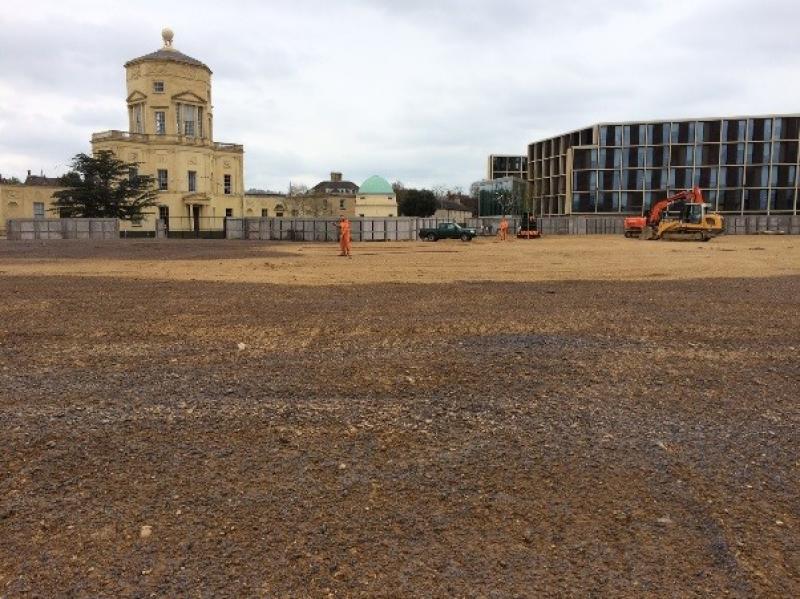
<point x="507" y="195"/>
<point x="744" y="165"/>
<point x="504" y="165"/>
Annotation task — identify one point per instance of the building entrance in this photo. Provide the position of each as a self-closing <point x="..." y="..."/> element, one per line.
<point x="196" y="218"/>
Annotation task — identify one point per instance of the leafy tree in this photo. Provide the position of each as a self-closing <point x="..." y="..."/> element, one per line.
<point x="416" y="202"/>
<point x="102" y="186"/>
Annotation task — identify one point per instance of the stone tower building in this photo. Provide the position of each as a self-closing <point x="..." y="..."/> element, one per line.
<point x="170" y="135"/>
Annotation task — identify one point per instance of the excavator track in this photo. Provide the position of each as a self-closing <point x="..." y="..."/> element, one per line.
<point x="685" y="236"/>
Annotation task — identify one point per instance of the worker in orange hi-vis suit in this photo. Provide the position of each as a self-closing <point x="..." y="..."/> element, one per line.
<point x="345" y="242"/>
<point x="503" y="229"/>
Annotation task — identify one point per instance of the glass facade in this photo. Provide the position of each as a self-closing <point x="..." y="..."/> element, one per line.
<point x="508" y="195"/>
<point x="743" y="165"/>
<point x="548" y="167"/>
<point x="507" y="166"/>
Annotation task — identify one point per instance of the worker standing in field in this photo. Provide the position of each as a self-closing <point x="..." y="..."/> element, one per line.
<point x="345" y="242"/>
<point x="503" y="228"/>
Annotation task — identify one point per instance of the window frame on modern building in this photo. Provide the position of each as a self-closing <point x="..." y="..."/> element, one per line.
<point x="507" y="165"/>
<point x="743" y="164"/>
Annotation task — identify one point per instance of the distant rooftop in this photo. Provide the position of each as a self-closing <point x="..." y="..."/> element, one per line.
<point x="264" y="193"/>
<point x="335" y="187"/>
<point x="168" y="53"/>
<point x="452" y="205"/>
<point x="43" y="181"/>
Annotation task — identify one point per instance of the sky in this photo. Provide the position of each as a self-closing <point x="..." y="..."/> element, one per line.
<point x="418" y="91"/>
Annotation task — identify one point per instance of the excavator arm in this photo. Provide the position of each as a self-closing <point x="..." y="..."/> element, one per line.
<point x="693" y="196"/>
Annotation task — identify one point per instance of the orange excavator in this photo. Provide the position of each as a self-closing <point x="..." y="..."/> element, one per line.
<point x="691" y="222"/>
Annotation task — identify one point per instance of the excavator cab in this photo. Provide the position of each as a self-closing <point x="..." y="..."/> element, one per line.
<point x="693" y="213"/>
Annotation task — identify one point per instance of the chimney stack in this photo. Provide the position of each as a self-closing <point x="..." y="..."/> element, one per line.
<point x="336" y="177"/>
<point x="29" y="172"/>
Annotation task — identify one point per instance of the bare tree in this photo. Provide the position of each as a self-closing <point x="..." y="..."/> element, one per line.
<point x="508" y="203"/>
<point x="475" y="188"/>
<point x="440" y="193"/>
<point x="297" y="189"/>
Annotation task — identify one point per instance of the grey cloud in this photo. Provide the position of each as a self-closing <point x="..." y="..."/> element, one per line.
<point x="415" y="90"/>
<point x="72" y="58"/>
<point x="96" y="118"/>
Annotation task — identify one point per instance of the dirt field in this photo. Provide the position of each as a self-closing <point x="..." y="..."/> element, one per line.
<point x="550" y="258"/>
<point x="565" y="417"/>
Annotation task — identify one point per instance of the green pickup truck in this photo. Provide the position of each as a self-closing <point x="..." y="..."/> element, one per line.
<point x="447" y="231"/>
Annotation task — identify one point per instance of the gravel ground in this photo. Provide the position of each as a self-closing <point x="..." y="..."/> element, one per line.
<point x="463" y="439"/>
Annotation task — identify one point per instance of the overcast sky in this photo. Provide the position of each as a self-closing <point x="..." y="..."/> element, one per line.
<point x="414" y="90"/>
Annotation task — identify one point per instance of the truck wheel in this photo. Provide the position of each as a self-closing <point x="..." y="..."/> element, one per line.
<point x="465" y="237"/>
<point x="430" y="237"/>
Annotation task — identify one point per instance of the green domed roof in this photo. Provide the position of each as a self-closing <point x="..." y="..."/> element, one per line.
<point x="376" y="185"/>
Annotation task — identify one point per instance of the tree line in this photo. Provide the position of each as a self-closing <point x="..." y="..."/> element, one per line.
<point x="424" y="202"/>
